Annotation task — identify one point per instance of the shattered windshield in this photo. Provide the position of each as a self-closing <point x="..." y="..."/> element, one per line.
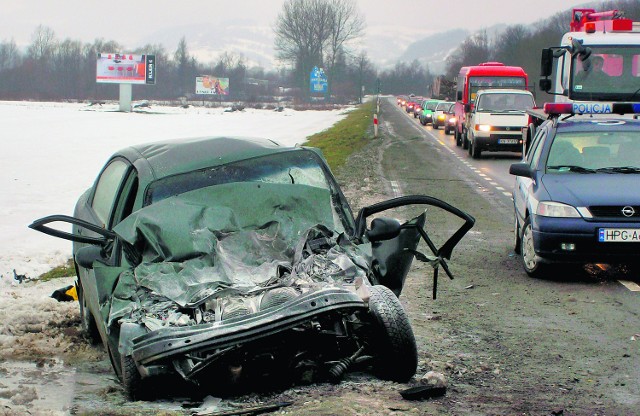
<point x="298" y="167"/>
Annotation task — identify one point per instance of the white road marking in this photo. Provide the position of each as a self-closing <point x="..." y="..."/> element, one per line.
<point x="632" y="286"/>
<point x="395" y="188"/>
<point x="507" y="194"/>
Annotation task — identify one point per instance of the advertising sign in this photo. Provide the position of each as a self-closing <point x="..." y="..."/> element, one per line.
<point x="318" y="80"/>
<point x="116" y="68"/>
<point x="208" y="84"/>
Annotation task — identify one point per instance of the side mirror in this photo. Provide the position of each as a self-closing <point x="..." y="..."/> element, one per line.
<point x="87" y="255"/>
<point x="545" y="84"/>
<point x="546" y="62"/>
<point x="521" y="169"/>
<point x="383" y="229"/>
<point x="467" y="108"/>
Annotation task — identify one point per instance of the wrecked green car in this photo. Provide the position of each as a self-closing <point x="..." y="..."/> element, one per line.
<point x="225" y="260"/>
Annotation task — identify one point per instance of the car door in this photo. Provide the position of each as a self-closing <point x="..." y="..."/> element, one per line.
<point x="524" y="186"/>
<point x="392" y="257"/>
<point x="110" y="198"/>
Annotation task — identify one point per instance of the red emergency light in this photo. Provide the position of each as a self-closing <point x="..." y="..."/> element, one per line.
<point x="590" y="21"/>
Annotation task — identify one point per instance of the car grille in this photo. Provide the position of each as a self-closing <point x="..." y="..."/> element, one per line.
<point x="614" y="211"/>
<point x="505" y="136"/>
<point x="517" y="129"/>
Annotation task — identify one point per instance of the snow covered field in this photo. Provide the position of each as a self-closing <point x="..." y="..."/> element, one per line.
<point x="52" y="152"/>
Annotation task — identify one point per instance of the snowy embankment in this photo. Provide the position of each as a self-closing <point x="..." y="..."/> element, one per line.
<point x="52" y="152"/>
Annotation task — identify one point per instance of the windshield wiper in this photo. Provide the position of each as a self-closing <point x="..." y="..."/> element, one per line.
<point x="620" y="169"/>
<point x="572" y="168"/>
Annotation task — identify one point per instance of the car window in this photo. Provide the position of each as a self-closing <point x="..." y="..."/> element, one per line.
<point x="106" y="188"/>
<point x="594" y="150"/>
<point x="536" y="148"/>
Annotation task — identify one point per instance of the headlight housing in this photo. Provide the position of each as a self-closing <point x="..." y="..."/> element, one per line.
<point x="557" y="210"/>
<point x="483" y="127"/>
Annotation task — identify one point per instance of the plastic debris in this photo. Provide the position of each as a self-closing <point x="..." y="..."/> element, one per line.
<point x="423" y="392"/>
<point x="65" y="294"/>
<point x="19" y="278"/>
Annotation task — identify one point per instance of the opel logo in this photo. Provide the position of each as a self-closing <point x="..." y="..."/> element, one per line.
<point x="628" y="211"/>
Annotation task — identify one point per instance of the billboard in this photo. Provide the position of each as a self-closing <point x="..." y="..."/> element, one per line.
<point x="116" y="68"/>
<point x="318" y="80"/>
<point x="208" y="84"/>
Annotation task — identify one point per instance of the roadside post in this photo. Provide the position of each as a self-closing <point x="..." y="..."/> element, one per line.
<point x="375" y="126"/>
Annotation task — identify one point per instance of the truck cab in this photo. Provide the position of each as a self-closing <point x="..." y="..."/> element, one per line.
<point x="598" y="60"/>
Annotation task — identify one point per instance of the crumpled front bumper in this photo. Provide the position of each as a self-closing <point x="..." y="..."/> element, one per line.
<point x="167" y="343"/>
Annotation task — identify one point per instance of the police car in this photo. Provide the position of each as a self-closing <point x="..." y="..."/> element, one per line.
<point x="577" y="191"/>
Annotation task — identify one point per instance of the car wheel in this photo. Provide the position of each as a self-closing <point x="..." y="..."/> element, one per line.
<point x="423" y="121"/>
<point x="89" y="326"/>
<point x="530" y="260"/>
<point x="435" y="126"/>
<point x="474" y="151"/>
<point x="516" y="236"/>
<point x="465" y="140"/>
<point x="131" y="380"/>
<point x="395" y="344"/>
<point x="458" y="137"/>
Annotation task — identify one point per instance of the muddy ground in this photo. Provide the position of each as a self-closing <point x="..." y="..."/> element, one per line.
<point x="506" y="344"/>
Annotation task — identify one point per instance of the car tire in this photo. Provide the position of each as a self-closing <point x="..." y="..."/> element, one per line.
<point x="394" y="341"/>
<point x="458" y="137"/>
<point x="465" y="141"/>
<point x="88" y="322"/>
<point x="131" y="380"/>
<point x="530" y="260"/>
<point x="423" y="121"/>
<point x="474" y="150"/>
<point x="517" y="241"/>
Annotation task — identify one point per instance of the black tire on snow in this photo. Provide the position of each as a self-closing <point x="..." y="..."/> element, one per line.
<point x="394" y="342"/>
<point x="89" y="326"/>
<point x="131" y="380"/>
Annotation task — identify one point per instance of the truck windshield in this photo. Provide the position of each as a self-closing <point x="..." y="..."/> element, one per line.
<point x="610" y="73"/>
<point x="504" y="102"/>
<point x="486" y="82"/>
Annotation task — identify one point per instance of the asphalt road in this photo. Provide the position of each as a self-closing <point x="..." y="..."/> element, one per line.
<point x="513" y="344"/>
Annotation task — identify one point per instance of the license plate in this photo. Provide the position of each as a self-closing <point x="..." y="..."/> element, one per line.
<point x="507" y="141"/>
<point x="619" y="235"/>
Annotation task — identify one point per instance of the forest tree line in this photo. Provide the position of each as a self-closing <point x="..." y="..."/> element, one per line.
<point x="54" y="69"/>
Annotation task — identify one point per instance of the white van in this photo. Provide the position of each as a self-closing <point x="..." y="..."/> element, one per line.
<point x="497" y="119"/>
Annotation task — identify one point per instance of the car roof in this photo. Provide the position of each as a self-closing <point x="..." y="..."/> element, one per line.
<point x="604" y="124"/>
<point x="166" y="158"/>
<point x="504" y="91"/>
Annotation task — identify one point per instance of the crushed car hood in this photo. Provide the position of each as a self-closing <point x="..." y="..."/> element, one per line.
<point x="215" y="256"/>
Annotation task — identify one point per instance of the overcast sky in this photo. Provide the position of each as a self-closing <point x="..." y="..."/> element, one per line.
<point x="128" y="22"/>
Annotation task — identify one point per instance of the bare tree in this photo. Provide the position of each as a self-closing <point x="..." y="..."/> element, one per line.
<point x="310" y="32"/>
<point x="9" y="55"/>
<point x="43" y="43"/>
<point x="346" y="25"/>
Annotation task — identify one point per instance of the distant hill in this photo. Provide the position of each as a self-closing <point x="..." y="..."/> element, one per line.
<point x="433" y="50"/>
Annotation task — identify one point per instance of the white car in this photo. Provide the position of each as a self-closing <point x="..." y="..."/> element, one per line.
<point x="497" y="119"/>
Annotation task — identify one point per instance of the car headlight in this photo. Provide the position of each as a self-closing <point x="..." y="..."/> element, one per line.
<point x="483" y="127"/>
<point x="452" y="120"/>
<point x="440" y="117"/>
<point x="557" y="210"/>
